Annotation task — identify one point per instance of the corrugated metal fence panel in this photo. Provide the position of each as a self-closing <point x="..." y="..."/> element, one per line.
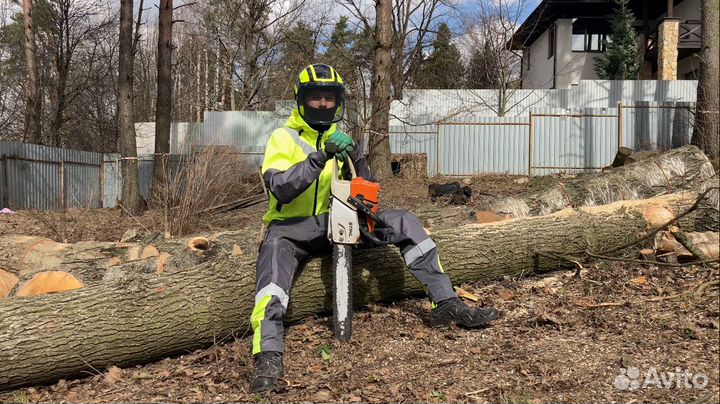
<point x="649" y="125"/>
<point x="405" y="139"/>
<point x="112" y="180"/>
<point x="182" y="136"/>
<point x="573" y="140"/>
<point x="253" y="155"/>
<point x="35" y="181"/>
<point x="145" y="137"/>
<point x="429" y="106"/>
<point x="607" y="93"/>
<point x="556" y="140"/>
<point x="146" y="164"/>
<point x="180" y="163"/>
<point x="498" y="145"/>
<point x="26" y="179"/>
<point x="600" y="131"/>
<point x="145" y="174"/>
<point x="246" y="128"/>
<point x="82" y="186"/>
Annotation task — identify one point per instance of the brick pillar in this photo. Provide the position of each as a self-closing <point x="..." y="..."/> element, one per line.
<point x="668" y="36"/>
<point x="645" y="72"/>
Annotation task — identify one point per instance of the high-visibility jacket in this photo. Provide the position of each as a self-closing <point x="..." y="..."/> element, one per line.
<point x="295" y="172"/>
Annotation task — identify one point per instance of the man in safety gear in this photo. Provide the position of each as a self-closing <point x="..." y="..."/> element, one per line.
<point x="295" y="171"/>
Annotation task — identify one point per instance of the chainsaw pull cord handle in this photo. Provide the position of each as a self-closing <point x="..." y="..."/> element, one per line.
<point x="353" y="174"/>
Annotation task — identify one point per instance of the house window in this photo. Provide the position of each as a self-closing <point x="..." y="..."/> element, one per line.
<point x="527" y="59"/>
<point x="588" y="42"/>
<point x="551" y="42"/>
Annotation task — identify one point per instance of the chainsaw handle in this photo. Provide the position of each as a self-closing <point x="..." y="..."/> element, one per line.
<point x="353" y="174"/>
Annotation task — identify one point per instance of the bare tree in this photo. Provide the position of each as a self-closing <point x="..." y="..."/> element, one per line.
<point x="243" y="44"/>
<point x="707" y="116"/>
<point x="32" y="130"/>
<point x="164" y="95"/>
<point x="408" y="25"/>
<point x="71" y="27"/>
<point x="190" y="58"/>
<point x="412" y="22"/>
<point x="378" y="140"/>
<point x="12" y="90"/>
<point x="145" y="78"/>
<point x="259" y="40"/>
<point x="491" y="28"/>
<point x="128" y="148"/>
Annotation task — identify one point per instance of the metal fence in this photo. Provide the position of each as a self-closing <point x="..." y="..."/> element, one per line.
<point x="430" y="106"/>
<point x="50" y="178"/>
<point x="541" y="140"/>
<point x="40" y="177"/>
<point x="546" y="140"/>
<point x="113" y="176"/>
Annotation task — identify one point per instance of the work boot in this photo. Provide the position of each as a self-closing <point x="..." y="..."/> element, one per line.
<point x="454" y="310"/>
<point x="268" y="369"/>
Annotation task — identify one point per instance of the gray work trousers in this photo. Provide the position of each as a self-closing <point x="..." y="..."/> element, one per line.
<point x="288" y="242"/>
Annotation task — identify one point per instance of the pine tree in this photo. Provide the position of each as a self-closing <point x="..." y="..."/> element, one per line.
<point x="443" y="68"/>
<point x="484" y="69"/>
<point x="298" y="49"/>
<point x="620" y="61"/>
<point x="338" y="51"/>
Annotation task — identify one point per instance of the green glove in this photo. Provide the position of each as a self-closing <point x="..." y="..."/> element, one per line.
<point x="339" y="144"/>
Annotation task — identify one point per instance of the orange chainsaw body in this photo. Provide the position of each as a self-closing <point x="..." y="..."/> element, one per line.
<point x="368" y="192"/>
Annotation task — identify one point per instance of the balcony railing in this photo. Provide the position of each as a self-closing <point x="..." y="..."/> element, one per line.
<point x="689" y="38"/>
<point x="690" y="32"/>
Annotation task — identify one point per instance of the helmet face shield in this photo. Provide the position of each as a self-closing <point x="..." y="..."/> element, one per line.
<point x="318" y="79"/>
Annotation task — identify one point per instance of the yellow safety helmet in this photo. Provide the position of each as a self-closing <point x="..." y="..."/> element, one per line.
<point x="315" y="77"/>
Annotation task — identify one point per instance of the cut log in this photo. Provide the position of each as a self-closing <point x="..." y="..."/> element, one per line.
<point x="693" y="244"/>
<point x="702" y="245"/>
<point x="622" y="154"/>
<point x="49" y="282"/>
<point x="679" y="169"/>
<point x="132" y="313"/>
<point x="7" y="283"/>
<point x="648" y="254"/>
<point x="635" y="157"/>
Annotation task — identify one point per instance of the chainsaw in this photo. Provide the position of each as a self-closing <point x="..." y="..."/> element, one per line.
<point x="353" y="209"/>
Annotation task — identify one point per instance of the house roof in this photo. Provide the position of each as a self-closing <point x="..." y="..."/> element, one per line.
<point x="548" y="11"/>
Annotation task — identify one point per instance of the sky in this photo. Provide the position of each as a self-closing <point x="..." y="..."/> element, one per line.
<point x="457" y="17"/>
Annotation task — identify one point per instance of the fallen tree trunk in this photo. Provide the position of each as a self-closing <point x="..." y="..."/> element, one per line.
<point x="200" y="296"/>
<point x="679" y="169"/>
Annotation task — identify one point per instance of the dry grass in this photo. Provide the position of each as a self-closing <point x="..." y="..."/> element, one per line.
<point x="206" y="178"/>
<point x="66" y="225"/>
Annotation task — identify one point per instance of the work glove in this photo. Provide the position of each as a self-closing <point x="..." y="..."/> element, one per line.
<point x="339" y="144"/>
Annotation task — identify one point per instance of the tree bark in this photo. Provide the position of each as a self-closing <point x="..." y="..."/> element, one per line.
<point x="679" y="169"/>
<point x="380" y="97"/>
<point x="32" y="133"/>
<point x="706" y="134"/>
<point x="136" y="311"/>
<point x="164" y="94"/>
<point x="126" y="125"/>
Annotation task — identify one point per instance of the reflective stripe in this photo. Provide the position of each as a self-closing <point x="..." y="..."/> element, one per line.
<point x="296" y="137"/>
<point x="272" y="290"/>
<point x="320" y="80"/>
<point x="258" y="315"/>
<point x="418" y="251"/>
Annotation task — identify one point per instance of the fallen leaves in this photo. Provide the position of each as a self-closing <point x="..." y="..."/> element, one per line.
<point x="113" y="375"/>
